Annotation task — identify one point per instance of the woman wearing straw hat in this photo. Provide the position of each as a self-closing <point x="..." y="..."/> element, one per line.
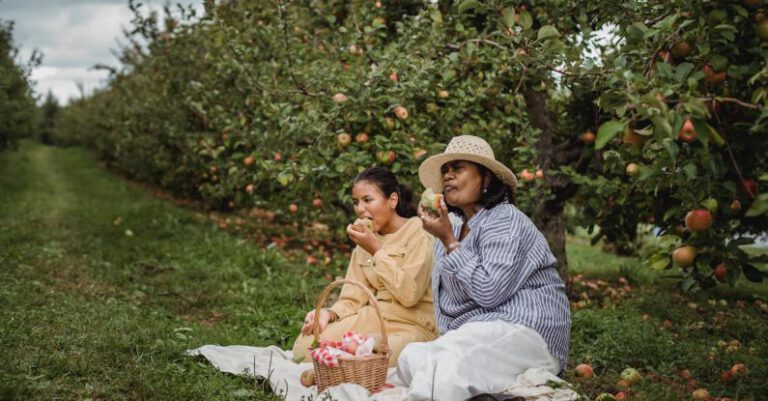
<point x="500" y="304"/>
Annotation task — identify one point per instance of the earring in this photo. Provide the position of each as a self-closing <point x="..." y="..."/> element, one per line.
<point x="485" y="191"/>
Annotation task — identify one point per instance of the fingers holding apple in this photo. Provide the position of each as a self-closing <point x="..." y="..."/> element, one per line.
<point x="362" y="234"/>
<point x="437" y="224"/>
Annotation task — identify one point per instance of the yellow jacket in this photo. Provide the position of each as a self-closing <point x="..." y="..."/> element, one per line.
<point x="399" y="276"/>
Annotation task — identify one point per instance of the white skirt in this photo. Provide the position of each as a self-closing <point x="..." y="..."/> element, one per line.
<point x="477" y="358"/>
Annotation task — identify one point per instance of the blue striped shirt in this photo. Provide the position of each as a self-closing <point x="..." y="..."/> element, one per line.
<point x="504" y="270"/>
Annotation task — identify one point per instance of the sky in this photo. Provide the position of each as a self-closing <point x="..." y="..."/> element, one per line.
<point x="73" y="35"/>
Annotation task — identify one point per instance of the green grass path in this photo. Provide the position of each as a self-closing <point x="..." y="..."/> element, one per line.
<point x="103" y="286"/>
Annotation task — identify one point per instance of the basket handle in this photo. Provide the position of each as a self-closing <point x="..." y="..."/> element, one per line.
<point x="371" y="298"/>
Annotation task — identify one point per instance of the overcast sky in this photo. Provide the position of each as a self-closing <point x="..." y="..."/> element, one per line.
<point x="73" y="35"/>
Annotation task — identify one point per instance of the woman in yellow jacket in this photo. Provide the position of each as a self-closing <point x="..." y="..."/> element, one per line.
<point x="394" y="260"/>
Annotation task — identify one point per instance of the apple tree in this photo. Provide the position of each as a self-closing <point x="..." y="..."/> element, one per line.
<point x="637" y="114"/>
<point x="17" y="104"/>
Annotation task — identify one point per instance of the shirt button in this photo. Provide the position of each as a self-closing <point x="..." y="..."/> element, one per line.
<point x="368" y="261"/>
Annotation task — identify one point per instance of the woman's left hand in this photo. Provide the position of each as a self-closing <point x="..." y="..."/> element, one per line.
<point x="364" y="238"/>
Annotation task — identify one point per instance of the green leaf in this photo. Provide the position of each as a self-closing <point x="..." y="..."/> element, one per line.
<point x="607" y="131"/>
<point x="468" y="5"/>
<point x="688" y="284"/>
<point x="526" y="20"/>
<point x="662" y="126"/>
<point x="509" y="16"/>
<point x="636" y="31"/>
<point x="690" y="171"/>
<point x="760" y="207"/>
<point x="682" y="71"/>
<point x="548" y="31"/>
<point x="752" y="273"/>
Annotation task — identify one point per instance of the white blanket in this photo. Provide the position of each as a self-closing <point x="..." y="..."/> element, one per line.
<point x="277" y="366"/>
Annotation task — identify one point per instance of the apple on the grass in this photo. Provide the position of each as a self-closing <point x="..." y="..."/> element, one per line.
<point x="631" y="375"/>
<point x="584" y="370"/>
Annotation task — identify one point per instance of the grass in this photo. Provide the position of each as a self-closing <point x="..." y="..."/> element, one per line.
<point x="103" y="286"/>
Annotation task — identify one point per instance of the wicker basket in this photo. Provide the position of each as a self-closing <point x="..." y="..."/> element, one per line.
<point x="367" y="371"/>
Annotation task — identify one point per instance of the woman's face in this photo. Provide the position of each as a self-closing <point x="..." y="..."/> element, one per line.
<point x="462" y="183"/>
<point x="371" y="203"/>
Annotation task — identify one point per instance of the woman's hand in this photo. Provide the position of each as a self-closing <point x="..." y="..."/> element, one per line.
<point x="366" y="239"/>
<point x="438" y="225"/>
<point x="326" y="317"/>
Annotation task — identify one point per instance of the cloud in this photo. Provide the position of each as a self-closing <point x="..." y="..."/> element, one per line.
<point x="73" y="36"/>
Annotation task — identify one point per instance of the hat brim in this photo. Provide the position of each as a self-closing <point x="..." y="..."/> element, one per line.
<point x="430" y="177"/>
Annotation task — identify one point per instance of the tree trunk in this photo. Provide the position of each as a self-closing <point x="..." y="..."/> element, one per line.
<point x="548" y="216"/>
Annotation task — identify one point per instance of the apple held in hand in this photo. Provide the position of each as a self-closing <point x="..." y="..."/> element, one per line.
<point x="367" y="224"/>
<point x="431" y="201"/>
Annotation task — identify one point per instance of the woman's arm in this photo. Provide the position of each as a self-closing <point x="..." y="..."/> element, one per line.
<point x="407" y="280"/>
<point x="494" y="271"/>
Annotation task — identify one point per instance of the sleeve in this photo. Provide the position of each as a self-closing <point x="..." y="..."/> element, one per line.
<point x="491" y="273"/>
<point x="408" y="279"/>
<point x="352" y="298"/>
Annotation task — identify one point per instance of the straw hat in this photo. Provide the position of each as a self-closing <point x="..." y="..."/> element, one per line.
<point x="464" y="147"/>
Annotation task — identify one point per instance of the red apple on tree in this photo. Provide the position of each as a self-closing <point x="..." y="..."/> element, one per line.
<point x="588" y="137"/>
<point x="711" y="77"/>
<point x="735" y="205"/>
<point x="249" y="160"/>
<point x="385" y="156"/>
<point x="343" y="139"/>
<point x="720" y="272"/>
<point x="684" y="256"/>
<point x="631" y="138"/>
<point x="401" y="112"/>
<point x="317" y="202"/>
<point x="749" y="186"/>
<point x="687" y="132"/>
<point x="418" y="153"/>
<point x="527" y="176"/>
<point x="278" y="156"/>
<point x="681" y="49"/>
<point x="443" y="94"/>
<point x="293" y="208"/>
<point x="361" y="137"/>
<point x="249" y="188"/>
<point x="633" y="169"/>
<point x="698" y="220"/>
